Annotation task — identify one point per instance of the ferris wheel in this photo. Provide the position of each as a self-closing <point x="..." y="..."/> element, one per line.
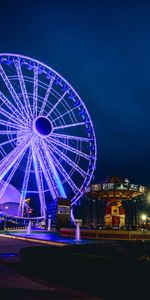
<point x="47" y="139"/>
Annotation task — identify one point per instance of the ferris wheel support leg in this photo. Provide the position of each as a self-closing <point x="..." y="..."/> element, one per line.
<point x="65" y="174"/>
<point x="54" y="173"/>
<point x="25" y="184"/>
<point x="39" y="181"/>
<point x="45" y="171"/>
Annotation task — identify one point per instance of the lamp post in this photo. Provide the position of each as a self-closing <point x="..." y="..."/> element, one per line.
<point x="5" y="220"/>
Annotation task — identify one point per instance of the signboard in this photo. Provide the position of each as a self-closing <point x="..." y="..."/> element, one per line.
<point x="122" y="186"/>
<point x="108" y="186"/>
<point x="63" y="212"/>
<point x="63" y="209"/>
<point x="134" y="187"/>
<point x="96" y="187"/>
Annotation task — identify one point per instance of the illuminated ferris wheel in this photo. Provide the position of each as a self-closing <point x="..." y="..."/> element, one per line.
<point x="47" y="139"/>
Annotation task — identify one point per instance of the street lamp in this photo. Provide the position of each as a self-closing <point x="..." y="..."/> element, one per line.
<point x="6" y="207"/>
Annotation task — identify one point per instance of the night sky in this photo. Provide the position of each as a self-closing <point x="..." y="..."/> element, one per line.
<point x="103" y="49"/>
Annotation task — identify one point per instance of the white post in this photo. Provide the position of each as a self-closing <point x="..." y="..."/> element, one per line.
<point x="29" y="227"/>
<point x="77" y="232"/>
<point x="49" y="223"/>
<point x="5" y="220"/>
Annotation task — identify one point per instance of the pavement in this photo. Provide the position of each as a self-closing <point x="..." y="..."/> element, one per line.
<point x="14" y="285"/>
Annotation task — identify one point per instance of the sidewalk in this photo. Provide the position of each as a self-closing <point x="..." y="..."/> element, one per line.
<point x="17" y="286"/>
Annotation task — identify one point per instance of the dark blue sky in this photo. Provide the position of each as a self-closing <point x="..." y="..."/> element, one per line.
<point x="103" y="49"/>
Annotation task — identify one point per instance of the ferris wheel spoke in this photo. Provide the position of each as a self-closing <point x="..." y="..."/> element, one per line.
<point x="71" y="149"/>
<point x="53" y="171"/>
<point x="66" y="113"/>
<point x="12" y="157"/>
<point x="8" y="131"/>
<point x="71" y="137"/>
<point x="69" y="125"/>
<point x="9" y="124"/>
<point x="68" y="160"/>
<point x="12" y="108"/>
<point x="12" y="140"/>
<point x="65" y="174"/>
<point x="12" y="91"/>
<point x="9" y="141"/>
<point x="35" y="91"/>
<point x="47" y="176"/>
<point x="8" y="115"/>
<point x="25" y="183"/>
<point x="46" y="95"/>
<point x="58" y="101"/>
<point x="39" y="180"/>
<point x="6" y="183"/>
<point x="23" y="88"/>
<point x="2" y="152"/>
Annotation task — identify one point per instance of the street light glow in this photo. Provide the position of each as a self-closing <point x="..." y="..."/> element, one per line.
<point x="148" y="197"/>
<point x="143" y="217"/>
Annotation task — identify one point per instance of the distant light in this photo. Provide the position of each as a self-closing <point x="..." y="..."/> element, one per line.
<point x="148" y="197"/>
<point x="6" y="207"/>
<point x="27" y="200"/>
<point x="143" y="217"/>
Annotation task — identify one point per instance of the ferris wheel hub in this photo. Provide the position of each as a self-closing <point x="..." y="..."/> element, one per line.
<point x="42" y="126"/>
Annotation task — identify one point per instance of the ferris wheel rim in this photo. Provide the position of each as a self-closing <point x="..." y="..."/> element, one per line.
<point x="87" y="179"/>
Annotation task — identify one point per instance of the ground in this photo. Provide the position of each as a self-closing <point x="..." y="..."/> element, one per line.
<point x="18" y="286"/>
